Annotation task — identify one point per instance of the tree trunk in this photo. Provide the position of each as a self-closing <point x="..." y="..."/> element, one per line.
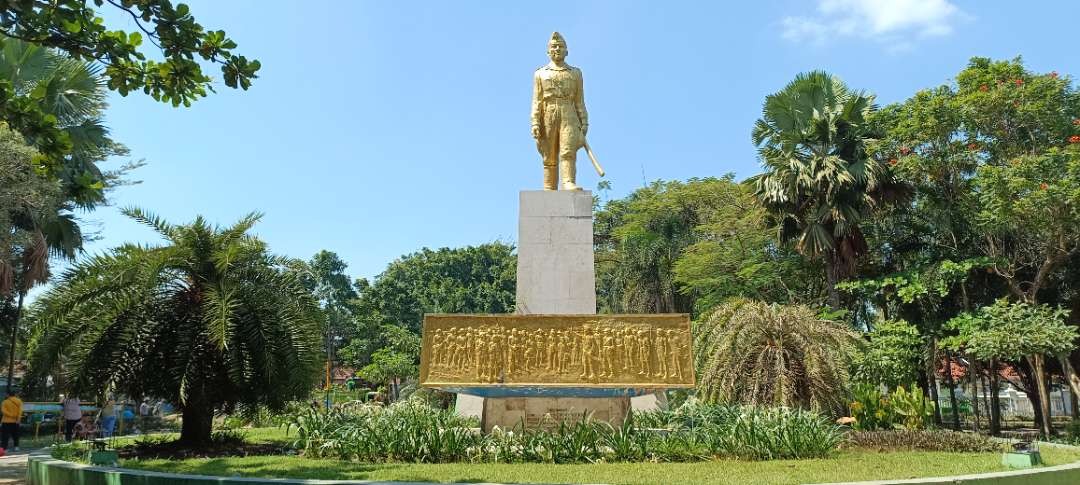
<point x="13" y="341"/>
<point x="198" y="420"/>
<point x="1074" y="405"/>
<point x="952" y="391"/>
<point x="973" y="377"/>
<point x="995" y="400"/>
<point x="1074" y="384"/>
<point x="1044" y="395"/>
<point x="932" y="380"/>
<point x="831" y="268"/>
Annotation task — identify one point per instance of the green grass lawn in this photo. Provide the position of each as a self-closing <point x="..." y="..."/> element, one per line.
<point x="847" y="465"/>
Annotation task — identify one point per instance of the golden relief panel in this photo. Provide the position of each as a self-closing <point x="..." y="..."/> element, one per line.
<point x="521" y="350"/>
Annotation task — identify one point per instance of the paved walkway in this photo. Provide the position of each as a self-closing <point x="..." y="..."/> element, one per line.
<point x="13" y="466"/>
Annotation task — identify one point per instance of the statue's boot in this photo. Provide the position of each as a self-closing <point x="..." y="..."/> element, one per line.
<point x="569" y="175"/>
<point x="551" y="177"/>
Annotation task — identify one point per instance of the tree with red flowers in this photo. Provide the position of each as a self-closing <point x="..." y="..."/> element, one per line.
<point x="997" y="176"/>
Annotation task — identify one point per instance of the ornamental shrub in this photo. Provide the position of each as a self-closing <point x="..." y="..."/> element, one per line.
<point x="871" y="409"/>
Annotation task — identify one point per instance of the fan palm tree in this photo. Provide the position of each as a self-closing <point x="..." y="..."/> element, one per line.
<point x="757" y="353"/>
<point x="209" y="321"/>
<point x="75" y="93"/>
<point x="819" y="181"/>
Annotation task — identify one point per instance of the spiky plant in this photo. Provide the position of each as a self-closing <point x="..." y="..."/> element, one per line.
<point x="210" y="320"/>
<point x="767" y="354"/>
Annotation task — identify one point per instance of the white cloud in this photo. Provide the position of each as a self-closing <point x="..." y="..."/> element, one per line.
<point x="893" y="22"/>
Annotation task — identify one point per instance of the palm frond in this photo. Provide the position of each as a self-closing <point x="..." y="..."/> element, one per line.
<point x="146" y="218"/>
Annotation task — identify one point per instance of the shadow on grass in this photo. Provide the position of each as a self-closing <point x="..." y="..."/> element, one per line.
<point x="267" y="468"/>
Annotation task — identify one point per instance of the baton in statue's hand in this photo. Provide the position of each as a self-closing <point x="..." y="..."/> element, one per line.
<point x="592" y="158"/>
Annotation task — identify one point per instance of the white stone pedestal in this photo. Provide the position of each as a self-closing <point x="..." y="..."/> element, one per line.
<point x="555" y="271"/>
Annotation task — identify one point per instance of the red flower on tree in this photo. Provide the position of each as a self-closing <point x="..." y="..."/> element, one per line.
<point x="1019" y="82"/>
<point x="1074" y="139"/>
<point x="893" y="162"/>
<point x="1043" y="186"/>
<point x="984" y="88"/>
<point x="905" y="150"/>
<point x="1053" y="75"/>
<point x="973" y="146"/>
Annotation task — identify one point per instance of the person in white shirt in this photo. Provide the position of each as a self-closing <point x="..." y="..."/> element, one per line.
<point x="72" y="415"/>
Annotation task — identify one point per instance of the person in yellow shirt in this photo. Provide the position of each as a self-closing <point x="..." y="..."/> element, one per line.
<point x="9" y="425"/>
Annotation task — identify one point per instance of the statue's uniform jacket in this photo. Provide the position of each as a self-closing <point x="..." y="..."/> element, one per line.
<point x="558" y="109"/>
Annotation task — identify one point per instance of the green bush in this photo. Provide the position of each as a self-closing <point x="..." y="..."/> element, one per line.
<point x="413" y="432"/>
<point x="75" y="451"/>
<point x="923" y="440"/>
<point x="913" y="408"/>
<point x="871" y="409"/>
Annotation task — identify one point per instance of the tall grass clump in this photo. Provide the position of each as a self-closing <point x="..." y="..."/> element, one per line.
<point x="407" y="431"/>
<point x="411" y="432"/>
<point x="751" y="432"/>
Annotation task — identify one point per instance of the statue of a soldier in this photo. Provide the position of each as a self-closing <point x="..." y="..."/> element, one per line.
<point x="559" y="119"/>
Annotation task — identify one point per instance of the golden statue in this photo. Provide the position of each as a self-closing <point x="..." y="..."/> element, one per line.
<point x="559" y="118"/>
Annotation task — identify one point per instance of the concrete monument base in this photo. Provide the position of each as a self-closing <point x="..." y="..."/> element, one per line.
<point x="548" y="412"/>
<point x="555" y="275"/>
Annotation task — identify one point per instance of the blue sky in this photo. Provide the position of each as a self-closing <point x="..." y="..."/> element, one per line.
<point x="378" y="128"/>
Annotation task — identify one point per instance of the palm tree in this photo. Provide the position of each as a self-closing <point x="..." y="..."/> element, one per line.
<point x="209" y="321"/>
<point x="819" y="182"/>
<point x="74" y="92"/>
<point x="32" y="227"/>
<point x="757" y="353"/>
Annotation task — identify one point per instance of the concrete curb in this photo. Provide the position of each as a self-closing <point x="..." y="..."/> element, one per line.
<point x="45" y="470"/>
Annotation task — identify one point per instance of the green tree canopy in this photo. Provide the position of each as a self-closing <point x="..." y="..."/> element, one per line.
<point x="892" y="357"/>
<point x="75" y="28"/>
<point x="639" y="239"/>
<point x="209" y="320"/>
<point x="471" y="279"/>
<point x="28" y="202"/>
<point x="1014" y="331"/>
<point x="324" y="275"/>
<point x="735" y="254"/>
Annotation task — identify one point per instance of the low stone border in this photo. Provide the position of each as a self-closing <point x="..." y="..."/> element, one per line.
<point x="45" y="470"/>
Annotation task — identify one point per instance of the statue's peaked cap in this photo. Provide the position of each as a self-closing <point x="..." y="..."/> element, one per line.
<point x="557" y="37"/>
